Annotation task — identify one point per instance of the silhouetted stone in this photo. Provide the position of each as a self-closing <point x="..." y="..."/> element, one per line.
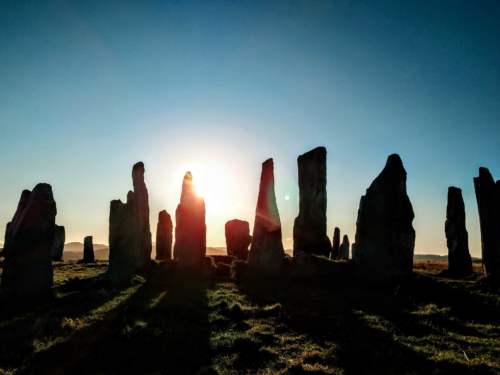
<point x="23" y="200"/>
<point x="457" y="239"/>
<point x="123" y="240"/>
<point x="336" y="244"/>
<point x="58" y="243"/>
<point x="488" y="202"/>
<point x="266" y="252"/>
<point x="344" y="248"/>
<point x="238" y="238"/>
<point x="385" y="237"/>
<point x="88" y="250"/>
<point x="309" y="230"/>
<point x="164" y="236"/>
<point x="141" y="209"/>
<point x="27" y="268"/>
<point x="190" y="228"/>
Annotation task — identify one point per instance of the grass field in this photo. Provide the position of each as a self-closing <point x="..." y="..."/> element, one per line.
<point x="169" y="323"/>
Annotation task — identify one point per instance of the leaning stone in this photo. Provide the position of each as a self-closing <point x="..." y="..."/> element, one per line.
<point x="266" y="251"/>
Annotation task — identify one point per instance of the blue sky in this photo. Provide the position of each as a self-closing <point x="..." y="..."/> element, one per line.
<point x="89" y="88"/>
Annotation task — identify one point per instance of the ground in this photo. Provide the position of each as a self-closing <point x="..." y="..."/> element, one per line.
<point x="180" y="324"/>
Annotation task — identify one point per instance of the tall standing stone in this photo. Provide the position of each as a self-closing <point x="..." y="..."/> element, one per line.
<point x="123" y="240"/>
<point x="344" y="248"/>
<point x="237" y="238"/>
<point x="88" y="250"/>
<point x="457" y="239"/>
<point x="190" y="228"/>
<point x="336" y="243"/>
<point x="141" y="210"/>
<point x="309" y="230"/>
<point x="385" y="237"/>
<point x="27" y="268"/>
<point x="58" y="243"/>
<point x="164" y="236"/>
<point x="266" y="252"/>
<point x="488" y="203"/>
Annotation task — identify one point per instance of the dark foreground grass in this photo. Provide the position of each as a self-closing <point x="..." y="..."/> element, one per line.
<point x="179" y="324"/>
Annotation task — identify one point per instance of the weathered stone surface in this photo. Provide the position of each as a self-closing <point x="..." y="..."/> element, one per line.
<point x="266" y="251"/>
<point x="190" y="228"/>
<point x="27" y="268"/>
<point x="336" y="243"/>
<point x="488" y="202"/>
<point x="164" y="236"/>
<point x="457" y="238"/>
<point x="141" y="209"/>
<point x="309" y="230"/>
<point x="57" y="248"/>
<point x="88" y="250"/>
<point x="123" y="240"/>
<point x="344" y="248"/>
<point x="238" y="238"/>
<point x="385" y="237"/>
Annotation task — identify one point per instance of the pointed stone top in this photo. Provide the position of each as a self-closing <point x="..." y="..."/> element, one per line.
<point x="336" y="229"/>
<point x="485" y="173"/>
<point x="188" y="193"/>
<point x="43" y="189"/>
<point x="315" y="152"/>
<point x="392" y="178"/>
<point x="454" y="191"/>
<point x="138" y="175"/>
<point x="268" y="162"/>
<point x="138" y="166"/>
<point x="394" y="162"/>
<point x="345" y="238"/>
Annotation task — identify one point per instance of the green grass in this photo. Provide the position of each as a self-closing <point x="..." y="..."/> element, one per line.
<point x="177" y="324"/>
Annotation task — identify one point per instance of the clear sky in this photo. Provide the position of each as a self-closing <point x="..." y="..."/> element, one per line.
<point x="87" y="88"/>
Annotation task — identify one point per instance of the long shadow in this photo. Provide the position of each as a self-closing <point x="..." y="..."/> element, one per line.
<point x="163" y="328"/>
<point x="327" y="314"/>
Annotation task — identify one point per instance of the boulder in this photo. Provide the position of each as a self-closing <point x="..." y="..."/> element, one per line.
<point x="27" y="268"/>
<point x="238" y="238"/>
<point x="488" y="203"/>
<point x="309" y="230"/>
<point x="266" y="251"/>
<point x="190" y="228"/>
<point x="88" y="250"/>
<point x="385" y="237"/>
<point x="336" y="244"/>
<point x="457" y="238"/>
<point x="164" y="236"/>
<point x="57" y="248"/>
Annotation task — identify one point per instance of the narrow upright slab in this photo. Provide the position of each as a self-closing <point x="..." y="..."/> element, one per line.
<point x="190" y="228"/>
<point x="141" y="210"/>
<point x="237" y="238"/>
<point x="488" y="203"/>
<point x="385" y="237"/>
<point x="164" y="236"/>
<point x="266" y="252"/>
<point x="123" y="241"/>
<point x="309" y="230"/>
<point x="336" y="243"/>
<point x="344" y="248"/>
<point x="88" y="250"/>
<point x="27" y="268"/>
<point x="457" y="238"/>
<point x="58" y="243"/>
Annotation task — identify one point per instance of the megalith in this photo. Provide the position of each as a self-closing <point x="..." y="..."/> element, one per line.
<point x="238" y="238"/>
<point x="57" y="248"/>
<point x="164" y="236"/>
<point x="336" y="243"/>
<point x="88" y="250"/>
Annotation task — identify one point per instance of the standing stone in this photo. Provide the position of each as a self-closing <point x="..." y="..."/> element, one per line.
<point x="190" y="228"/>
<point x="27" y="268"/>
<point x="88" y="250"/>
<point x="238" y="238"/>
<point x="58" y="244"/>
<point x="123" y="240"/>
<point x="344" y="248"/>
<point x="385" y="237"/>
<point x="141" y="211"/>
<point x="336" y="244"/>
<point x="309" y="230"/>
<point x="266" y="252"/>
<point x="164" y="236"/>
<point x="457" y="239"/>
<point x="488" y="203"/>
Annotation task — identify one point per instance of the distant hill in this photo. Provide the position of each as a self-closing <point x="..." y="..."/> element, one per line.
<point x="437" y="258"/>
